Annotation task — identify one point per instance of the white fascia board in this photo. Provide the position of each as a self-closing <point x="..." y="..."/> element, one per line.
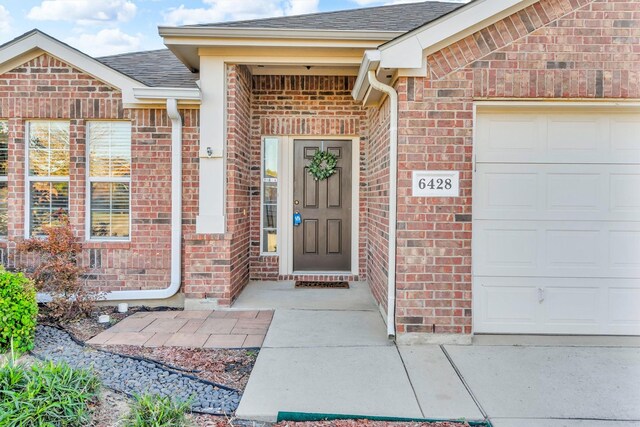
<point x="370" y="61"/>
<point x="265" y="33"/>
<point x="407" y="51"/>
<point x="191" y="95"/>
<point x="37" y="40"/>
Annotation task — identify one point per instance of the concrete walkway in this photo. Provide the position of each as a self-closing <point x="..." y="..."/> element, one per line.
<point x="326" y="352"/>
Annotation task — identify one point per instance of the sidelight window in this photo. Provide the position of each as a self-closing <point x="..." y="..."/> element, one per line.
<point x="269" y="195"/>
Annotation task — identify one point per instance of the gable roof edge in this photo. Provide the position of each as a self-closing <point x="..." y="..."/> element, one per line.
<point x="407" y="50"/>
<point x="36" y="40"/>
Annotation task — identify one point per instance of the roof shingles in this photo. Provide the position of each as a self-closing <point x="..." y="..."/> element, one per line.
<point x="395" y="18"/>
<point x="155" y="68"/>
<point x="161" y="68"/>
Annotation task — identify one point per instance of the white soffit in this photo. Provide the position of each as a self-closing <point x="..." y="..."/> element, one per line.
<point x="407" y="50"/>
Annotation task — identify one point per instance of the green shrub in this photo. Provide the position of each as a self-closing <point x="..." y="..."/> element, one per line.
<point x="18" y="311"/>
<point x="157" y="411"/>
<point x="46" y="394"/>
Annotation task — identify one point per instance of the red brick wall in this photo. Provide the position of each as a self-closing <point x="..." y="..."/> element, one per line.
<point x="301" y="105"/>
<point x="377" y="199"/>
<point x="45" y="88"/>
<point x="553" y="49"/>
<point x="239" y="173"/>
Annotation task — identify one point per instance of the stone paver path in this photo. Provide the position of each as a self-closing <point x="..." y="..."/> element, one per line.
<point x="195" y="329"/>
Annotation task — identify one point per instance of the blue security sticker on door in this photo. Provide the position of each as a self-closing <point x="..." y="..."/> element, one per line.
<point x="297" y="219"/>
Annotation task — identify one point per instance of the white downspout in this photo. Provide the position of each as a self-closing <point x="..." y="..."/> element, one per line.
<point x="176" y="217"/>
<point x="393" y="202"/>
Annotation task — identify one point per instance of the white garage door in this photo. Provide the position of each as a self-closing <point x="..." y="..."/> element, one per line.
<point x="556" y="222"/>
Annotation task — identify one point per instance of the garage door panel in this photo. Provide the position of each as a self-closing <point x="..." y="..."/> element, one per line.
<point x="572" y="192"/>
<point x="557" y="305"/>
<point x="624" y="250"/>
<point x="556" y="248"/>
<point x="568" y="134"/>
<point x="512" y="248"/>
<point x="623" y="303"/>
<point x="624" y="190"/>
<point x="509" y="304"/>
<point x="497" y="136"/>
<point x="625" y="135"/>
<point x="514" y="191"/>
<point x="558" y="138"/>
<point x="570" y="250"/>
<point x="571" y="305"/>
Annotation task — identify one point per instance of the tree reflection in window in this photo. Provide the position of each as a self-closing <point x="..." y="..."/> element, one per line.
<point x="49" y="161"/>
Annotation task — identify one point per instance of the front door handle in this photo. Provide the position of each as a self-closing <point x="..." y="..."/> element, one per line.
<point x="296" y="202"/>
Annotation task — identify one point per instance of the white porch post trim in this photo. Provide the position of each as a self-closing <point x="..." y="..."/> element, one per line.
<point x="213" y="135"/>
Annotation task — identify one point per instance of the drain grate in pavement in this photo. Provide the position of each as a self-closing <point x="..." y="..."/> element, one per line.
<point x="332" y="285"/>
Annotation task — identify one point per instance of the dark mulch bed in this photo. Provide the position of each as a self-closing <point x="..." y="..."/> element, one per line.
<point x="229" y="367"/>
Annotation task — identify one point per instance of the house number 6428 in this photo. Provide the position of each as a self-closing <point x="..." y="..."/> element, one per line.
<point x="435" y="184"/>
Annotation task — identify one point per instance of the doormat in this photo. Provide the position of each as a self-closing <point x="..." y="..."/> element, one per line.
<point x="332" y="285"/>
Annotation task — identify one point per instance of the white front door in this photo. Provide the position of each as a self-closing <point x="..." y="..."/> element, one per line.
<point x="556" y="221"/>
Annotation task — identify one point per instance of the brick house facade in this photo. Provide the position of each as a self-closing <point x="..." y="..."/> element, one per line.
<point x="574" y="51"/>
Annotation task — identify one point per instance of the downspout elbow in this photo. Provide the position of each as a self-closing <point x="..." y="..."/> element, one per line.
<point x="393" y="203"/>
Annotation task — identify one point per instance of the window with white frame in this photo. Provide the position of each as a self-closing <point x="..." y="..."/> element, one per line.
<point x="269" y="202"/>
<point x="4" y="185"/>
<point x="47" y="174"/>
<point x="109" y="180"/>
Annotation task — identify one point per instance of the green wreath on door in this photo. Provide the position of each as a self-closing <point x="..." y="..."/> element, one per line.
<point x="323" y="165"/>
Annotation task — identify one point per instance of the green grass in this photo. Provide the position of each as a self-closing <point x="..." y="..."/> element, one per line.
<point x="157" y="411"/>
<point x="46" y="395"/>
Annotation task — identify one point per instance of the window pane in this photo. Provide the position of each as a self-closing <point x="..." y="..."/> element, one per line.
<point x="49" y="149"/>
<point x="270" y="241"/>
<point x="109" y="210"/>
<point x="110" y="149"/>
<point x="49" y="201"/>
<point x="270" y="216"/>
<point x="4" y="147"/>
<point x="271" y="192"/>
<point x="270" y="167"/>
<point x="4" y="192"/>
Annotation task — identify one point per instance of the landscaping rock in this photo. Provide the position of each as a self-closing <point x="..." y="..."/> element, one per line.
<point x="133" y="376"/>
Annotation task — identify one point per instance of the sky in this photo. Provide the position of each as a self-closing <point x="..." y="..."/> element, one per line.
<point x="108" y="27"/>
